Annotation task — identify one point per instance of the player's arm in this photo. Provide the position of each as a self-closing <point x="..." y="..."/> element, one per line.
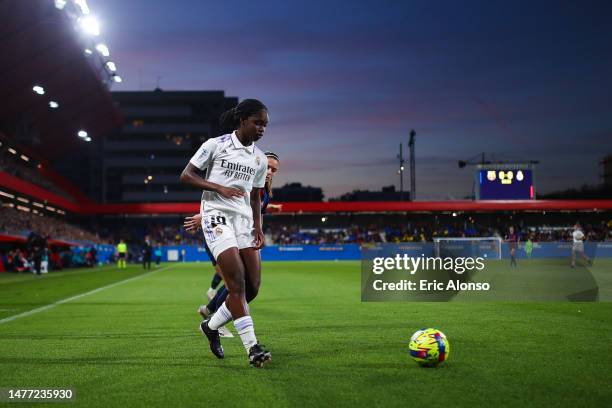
<point x="191" y="177"/>
<point x="256" y="208"/>
<point x="200" y="160"/>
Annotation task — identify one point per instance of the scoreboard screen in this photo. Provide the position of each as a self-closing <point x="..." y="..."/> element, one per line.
<point x="505" y="184"/>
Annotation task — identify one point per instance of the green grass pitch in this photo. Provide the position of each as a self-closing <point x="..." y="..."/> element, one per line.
<point x="136" y="343"/>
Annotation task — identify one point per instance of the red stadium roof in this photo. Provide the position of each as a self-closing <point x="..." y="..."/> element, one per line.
<point x="368" y="206"/>
<point x="21" y="186"/>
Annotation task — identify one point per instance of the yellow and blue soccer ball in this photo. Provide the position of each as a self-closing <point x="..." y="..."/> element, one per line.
<point x="429" y="347"/>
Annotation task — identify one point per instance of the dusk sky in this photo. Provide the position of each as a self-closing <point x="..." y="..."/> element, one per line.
<point x="345" y="81"/>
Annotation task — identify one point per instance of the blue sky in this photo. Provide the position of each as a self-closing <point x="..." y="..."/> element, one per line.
<point x="345" y="81"/>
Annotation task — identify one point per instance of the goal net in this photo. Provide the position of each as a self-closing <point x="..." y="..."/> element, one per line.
<point x="485" y="247"/>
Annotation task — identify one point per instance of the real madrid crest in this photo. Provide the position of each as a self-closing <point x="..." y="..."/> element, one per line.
<point x="219" y="230"/>
<point x="257" y="160"/>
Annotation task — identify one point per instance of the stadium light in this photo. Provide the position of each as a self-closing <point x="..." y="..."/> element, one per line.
<point x="90" y="25"/>
<point x="88" y="51"/>
<point x="38" y="89"/>
<point x="24" y="158"/>
<point x="83" y="6"/>
<point x="11" y="150"/>
<point x="4" y="193"/>
<point x="82" y="133"/>
<point x="103" y="49"/>
<point x="150" y="177"/>
<point x="60" y="4"/>
<point x="323" y="219"/>
<point x="111" y="65"/>
<point x="88" y="139"/>
<point x="117" y="78"/>
<point x="53" y="105"/>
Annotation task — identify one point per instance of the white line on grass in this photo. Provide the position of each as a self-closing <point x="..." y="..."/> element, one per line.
<point x="70" y="299"/>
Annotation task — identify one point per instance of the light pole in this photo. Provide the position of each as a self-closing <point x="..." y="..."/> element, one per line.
<point x="412" y="166"/>
<point x="400" y="156"/>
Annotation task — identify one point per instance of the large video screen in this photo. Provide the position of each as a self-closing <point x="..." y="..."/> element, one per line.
<point x="506" y="184"/>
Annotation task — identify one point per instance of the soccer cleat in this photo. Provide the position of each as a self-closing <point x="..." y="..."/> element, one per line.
<point x="210" y="294"/>
<point x="204" y="312"/>
<point x="225" y="332"/>
<point x="213" y="339"/>
<point x="258" y="356"/>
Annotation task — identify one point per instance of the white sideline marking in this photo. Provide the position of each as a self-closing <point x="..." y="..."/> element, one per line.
<point x="70" y="299"/>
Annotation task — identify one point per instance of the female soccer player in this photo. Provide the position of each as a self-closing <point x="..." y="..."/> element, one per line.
<point x="231" y="218"/>
<point x="194" y="222"/>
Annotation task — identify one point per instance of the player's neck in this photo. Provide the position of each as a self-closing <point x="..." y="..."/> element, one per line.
<point x="243" y="139"/>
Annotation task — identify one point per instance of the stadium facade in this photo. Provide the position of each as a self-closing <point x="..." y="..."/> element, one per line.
<point x="142" y="161"/>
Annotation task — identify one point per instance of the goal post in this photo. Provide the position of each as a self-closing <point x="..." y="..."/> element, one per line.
<point x="454" y="247"/>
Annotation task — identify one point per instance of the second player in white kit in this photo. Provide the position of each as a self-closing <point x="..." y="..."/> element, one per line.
<point x="231" y="218"/>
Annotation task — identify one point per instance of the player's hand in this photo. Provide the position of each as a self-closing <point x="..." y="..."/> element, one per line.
<point x="230" y="192"/>
<point x="259" y="240"/>
<point x="193" y="223"/>
<point x="275" y="207"/>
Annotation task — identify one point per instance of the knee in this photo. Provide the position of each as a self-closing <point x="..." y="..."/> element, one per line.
<point x="251" y="293"/>
<point x="235" y="285"/>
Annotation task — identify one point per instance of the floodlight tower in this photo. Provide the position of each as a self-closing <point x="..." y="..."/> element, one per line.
<point x="400" y="156"/>
<point x="412" y="166"/>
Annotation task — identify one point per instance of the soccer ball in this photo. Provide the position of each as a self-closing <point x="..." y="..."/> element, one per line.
<point x="429" y="347"/>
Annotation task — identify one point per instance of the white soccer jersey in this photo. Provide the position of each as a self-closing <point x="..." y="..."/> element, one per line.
<point x="577" y="235"/>
<point x="230" y="164"/>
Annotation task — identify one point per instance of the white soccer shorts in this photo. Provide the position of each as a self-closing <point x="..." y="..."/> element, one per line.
<point x="223" y="231"/>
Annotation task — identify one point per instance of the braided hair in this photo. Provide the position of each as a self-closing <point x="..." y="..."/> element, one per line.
<point x="230" y="119"/>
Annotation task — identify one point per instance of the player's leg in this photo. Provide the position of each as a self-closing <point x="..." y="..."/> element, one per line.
<point x="584" y="256"/>
<point x="573" y="256"/>
<point x="215" y="303"/>
<point x="251" y="260"/>
<point x="252" y="263"/>
<point x="212" y="290"/>
<point x="234" y="274"/>
<point x="217" y="277"/>
<point x="235" y="305"/>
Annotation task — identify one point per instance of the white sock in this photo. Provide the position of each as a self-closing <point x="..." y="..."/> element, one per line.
<point x="220" y="318"/>
<point x="246" y="331"/>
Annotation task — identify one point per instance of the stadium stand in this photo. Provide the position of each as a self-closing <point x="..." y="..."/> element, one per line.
<point x="21" y="223"/>
<point x="13" y="164"/>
